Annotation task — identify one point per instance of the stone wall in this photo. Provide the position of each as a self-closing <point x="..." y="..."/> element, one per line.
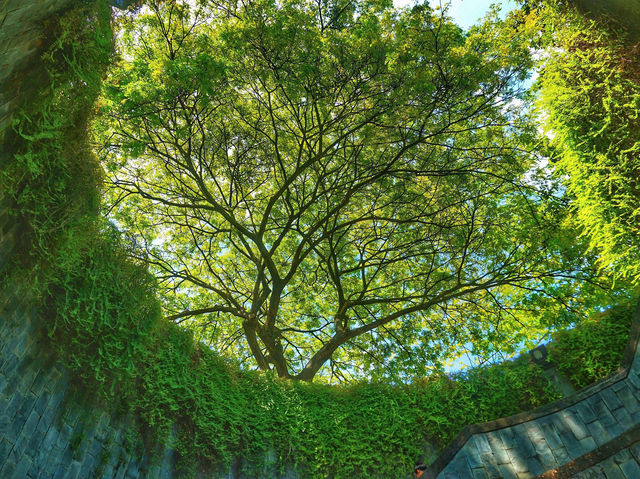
<point x="51" y="429"/>
<point x="619" y="459"/>
<point x="46" y="429"/>
<point x="549" y="438"/>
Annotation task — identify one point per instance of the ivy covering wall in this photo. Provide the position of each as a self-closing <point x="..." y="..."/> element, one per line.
<point x="101" y="316"/>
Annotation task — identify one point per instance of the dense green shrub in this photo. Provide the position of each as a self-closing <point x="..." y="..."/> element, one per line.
<point x="367" y="429"/>
<point x="53" y="178"/>
<point x="99" y="305"/>
<point x="589" y="97"/>
<point x="102" y="308"/>
<point x="593" y="349"/>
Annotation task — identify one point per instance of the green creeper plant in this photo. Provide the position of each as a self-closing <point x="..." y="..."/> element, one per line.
<point x="101" y="314"/>
<point x="592" y="350"/>
<point x="589" y="97"/>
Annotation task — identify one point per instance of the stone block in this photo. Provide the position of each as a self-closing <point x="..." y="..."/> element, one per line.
<point x="59" y="472"/>
<point x="518" y="461"/>
<point x="561" y="455"/>
<point x="108" y="471"/>
<point x="628" y="399"/>
<point x="551" y="434"/>
<point x="547" y="459"/>
<point x="458" y="468"/>
<point x="507" y="472"/>
<point x="508" y="438"/>
<point x="73" y="470"/>
<point x="11" y="361"/>
<point x="575" y="424"/>
<point x="591" y="473"/>
<point x="635" y="451"/>
<point x="610" y="399"/>
<point x="535" y="466"/>
<point x="497" y="447"/>
<point x="492" y="470"/>
<point x="28" y="402"/>
<point x="53" y="410"/>
<point x="617" y="386"/>
<point x="40" y="406"/>
<point x="584" y="412"/>
<point x="478" y="474"/>
<point x="482" y="444"/>
<point x="603" y="413"/>
<point x="633" y="381"/>
<point x="523" y="444"/>
<point x="88" y="465"/>
<point x="23" y="466"/>
<point x="15" y="428"/>
<point x="588" y="444"/>
<point x="21" y="445"/>
<point x="97" y="449"/>
<point x="472" y="456"/>
<point x="4" y="402"/>
<point x="71" y="415"/>
<point x="64" y="436"/>
<point x="572" y="446"/>
<point x="630" y="469"/>
<point x="39" y="382"/>
<point x="611" y="470"/>
<point x="18" y="344"/>
<point x="50" y="439"/>
<point x="525" y="475"/>
<point x="8" y="469"/>
<point x="623" y="418"/>
<point x="5" y="448"/>
<point x="622" y="456"/>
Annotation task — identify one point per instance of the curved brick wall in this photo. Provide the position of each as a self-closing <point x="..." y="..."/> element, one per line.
<point x="540" y="442"/>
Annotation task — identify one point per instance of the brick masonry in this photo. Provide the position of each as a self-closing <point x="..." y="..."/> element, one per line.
<point x="544" y="440"/>
<point x="622" y="465"/>
<point x="47" y="430"/>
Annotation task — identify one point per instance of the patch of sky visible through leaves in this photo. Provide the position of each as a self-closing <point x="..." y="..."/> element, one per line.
<point x="466" y="13"/>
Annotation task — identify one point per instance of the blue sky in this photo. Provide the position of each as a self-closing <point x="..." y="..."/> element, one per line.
<point x="465" y="12"/>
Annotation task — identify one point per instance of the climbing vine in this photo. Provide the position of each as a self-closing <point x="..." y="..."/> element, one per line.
<point x="594" y="349"/>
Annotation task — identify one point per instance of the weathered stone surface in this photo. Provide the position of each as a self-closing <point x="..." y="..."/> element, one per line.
<point x="576" y="429"/>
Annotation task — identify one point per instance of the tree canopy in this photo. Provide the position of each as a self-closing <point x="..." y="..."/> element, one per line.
<point x="336" y="188"/>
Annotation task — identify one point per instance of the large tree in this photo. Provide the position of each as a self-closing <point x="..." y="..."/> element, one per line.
<point x="333" y="186"/>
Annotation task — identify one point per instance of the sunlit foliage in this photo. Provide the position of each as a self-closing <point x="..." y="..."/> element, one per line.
<point x="342" y="188"/>
<point x="589" y="96"/>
